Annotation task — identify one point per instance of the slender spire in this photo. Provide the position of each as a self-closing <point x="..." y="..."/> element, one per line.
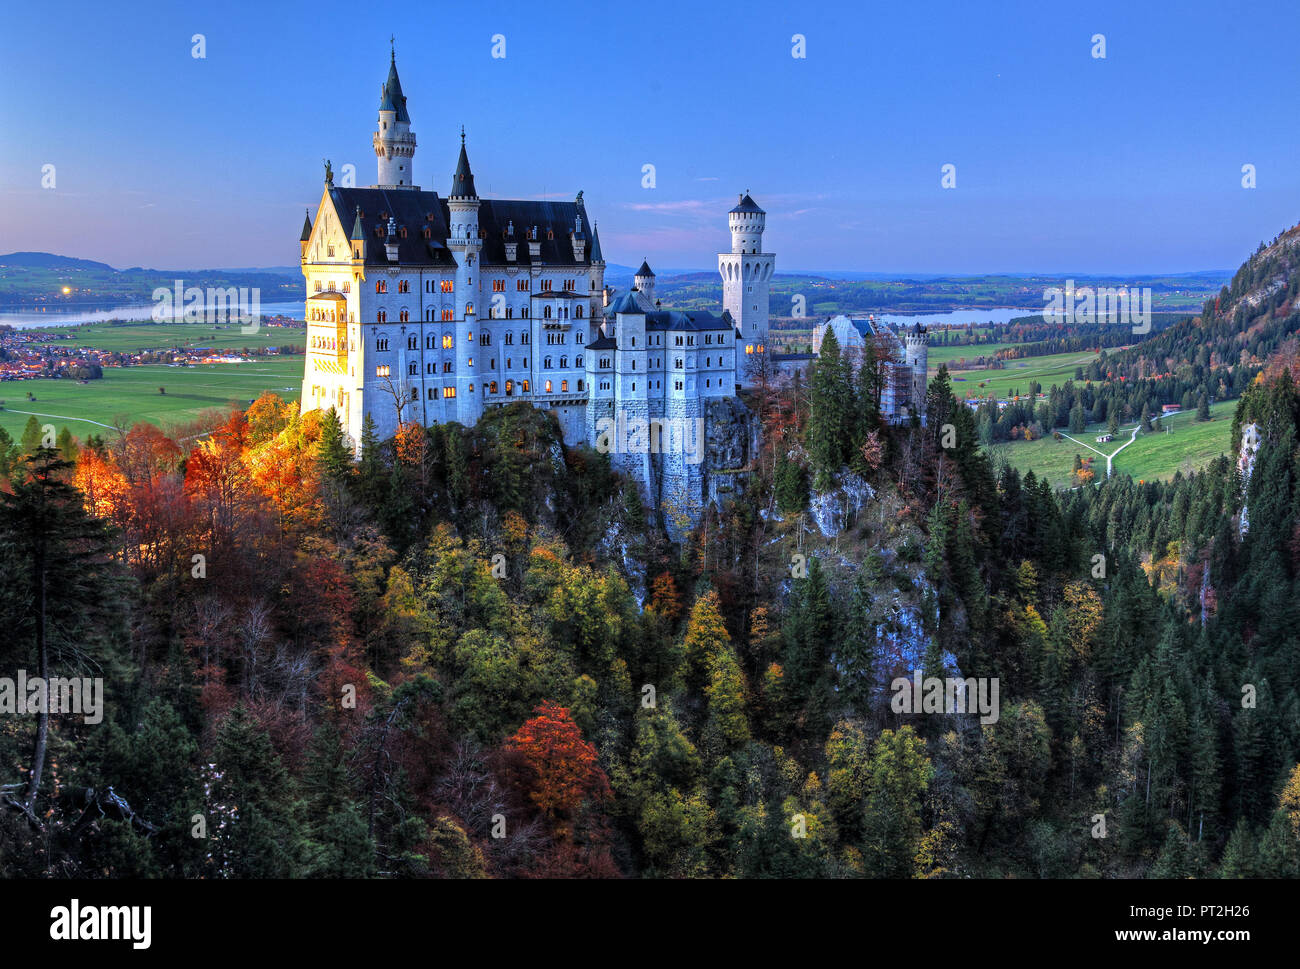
<point x="306" y="227"/>
<point x="462" y="183"/>
<point x="357" y="231"/>
<point x="391" y="98"/>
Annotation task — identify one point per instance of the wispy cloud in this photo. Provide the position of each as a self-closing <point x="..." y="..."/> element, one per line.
<point x="690" y="206"/>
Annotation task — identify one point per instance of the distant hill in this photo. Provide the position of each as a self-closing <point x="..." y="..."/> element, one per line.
<point x="48" y="260"/>
<point x="38" y="279"/>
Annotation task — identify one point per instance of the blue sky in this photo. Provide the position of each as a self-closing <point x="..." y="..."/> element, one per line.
<point x="1064" y="163"/>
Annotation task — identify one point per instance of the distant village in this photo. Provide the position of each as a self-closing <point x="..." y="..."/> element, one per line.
<point x="60" y="353"/>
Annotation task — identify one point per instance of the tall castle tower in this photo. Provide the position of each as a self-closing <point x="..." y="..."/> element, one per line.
<point x="746" y="279"/>
<point x="394" y="141"/>
<point x="916" y="347"/>
<point x="463" y="240"/>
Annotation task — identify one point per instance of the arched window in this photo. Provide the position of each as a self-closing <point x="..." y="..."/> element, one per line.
<point x="493" y="387"/>
<point x="564" y="386"/>
<point x="546" y="312"/>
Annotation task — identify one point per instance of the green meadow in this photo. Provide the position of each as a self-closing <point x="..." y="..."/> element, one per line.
<point x="1186" y="445"/>
<point x="132" y="337"/>
<point x="1016" y="375"/>
<point x="132" y="393"/>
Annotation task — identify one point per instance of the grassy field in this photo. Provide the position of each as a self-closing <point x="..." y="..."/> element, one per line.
<point x="132" y="337"/>
<point x="939" y="355"/>
<point x="1055" y="369"/>
<point x="1150" y="457"/>
<point x="133" y="393"/>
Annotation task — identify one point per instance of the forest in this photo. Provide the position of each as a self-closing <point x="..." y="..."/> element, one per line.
<point x="474" y="652"/>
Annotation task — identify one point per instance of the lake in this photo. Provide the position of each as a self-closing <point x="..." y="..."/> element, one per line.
<point x="28" y="319"/>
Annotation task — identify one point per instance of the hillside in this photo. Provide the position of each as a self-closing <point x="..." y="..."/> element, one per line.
<point x="39" y="279"/>
<point x="48" y="260"/>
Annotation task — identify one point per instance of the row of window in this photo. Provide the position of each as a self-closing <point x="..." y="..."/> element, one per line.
<point x="492" y="388"/>
<point x="449" y="366"/>
<point x="345" y="288"/>
<point x="448" y="286"/>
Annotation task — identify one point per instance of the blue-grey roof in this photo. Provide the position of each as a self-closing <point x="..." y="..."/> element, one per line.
<point x="627" y="303"/>
<point x="595" y="246"/>
<point x="645" y="269"/>
<point x="462" y="182"/>
<point x="416" y="211"/>
<point x="306" y="227"/>
<point x="747" y="204"/>
<point x="391" y="97"/>
<point x="688" y="320"/>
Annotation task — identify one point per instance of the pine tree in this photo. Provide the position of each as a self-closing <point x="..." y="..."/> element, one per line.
<point x="831" y="415"/>
<point x="64" y="604"/>
<point x="31" y="439"/>
<point x="1078" y="421"/>
<point x="1203" y="407"/>
<point x="67" y="445"/>
<point x="333" y="454"/>
<point x="790" y="485"/>
<point x="253" y="797"/>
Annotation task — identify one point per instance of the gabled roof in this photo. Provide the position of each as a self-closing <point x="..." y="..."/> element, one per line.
<point x="416" y="211"/>
<point x="627" y="303"/>
<point x="747" y="204"/>
<point x="688" y="320"/>
<point x="494" y="215"/>
<point x="391" y="97"/>
<point x="412" y="210"/>
<point x="603" y="343"/>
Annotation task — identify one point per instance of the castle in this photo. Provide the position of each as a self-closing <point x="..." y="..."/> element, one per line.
<point x="428" y="309"/>
<point x="905" y="356"/>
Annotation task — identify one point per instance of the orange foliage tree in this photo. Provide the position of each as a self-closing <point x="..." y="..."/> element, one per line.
<point x="564" y="767"/>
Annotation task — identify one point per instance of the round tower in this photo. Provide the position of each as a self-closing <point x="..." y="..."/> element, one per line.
<point x="645" y="285"/>
<point x="746" y="283"/>
<point x="747" y="222"/>
<point x="464" y="242"/>
<point x="916" y="345"/>
<point x="394" y="141"/>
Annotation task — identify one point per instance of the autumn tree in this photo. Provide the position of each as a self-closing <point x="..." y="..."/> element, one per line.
<point x="565" y="769"/>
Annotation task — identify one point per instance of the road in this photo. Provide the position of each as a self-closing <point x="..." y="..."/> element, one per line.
<point x="1109" y="457"/>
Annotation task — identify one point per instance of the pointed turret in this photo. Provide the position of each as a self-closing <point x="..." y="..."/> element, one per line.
<point x="357" y="231"/>
<point x="394" y="141"/>
<point x="596" y="255"/>
<point x="305" y="238"/>
<point x="390" y="96"/>
<point x="462" y="182"/>
<point x="645" y="285"/>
